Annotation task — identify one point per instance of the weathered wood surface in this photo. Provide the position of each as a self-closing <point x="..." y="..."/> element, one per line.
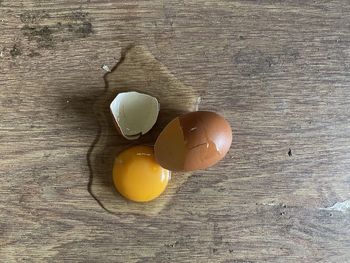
<point x="277" y="70"/>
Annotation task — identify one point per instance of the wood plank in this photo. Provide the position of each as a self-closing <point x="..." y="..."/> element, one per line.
<point x="277" y="70"/>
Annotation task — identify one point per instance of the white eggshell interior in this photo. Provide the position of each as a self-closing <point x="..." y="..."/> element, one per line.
<point x="135" y="113"/>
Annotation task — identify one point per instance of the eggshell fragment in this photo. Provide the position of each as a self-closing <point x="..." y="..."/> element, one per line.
<point x="196" y="140"/>
<point x="134" y="113"/>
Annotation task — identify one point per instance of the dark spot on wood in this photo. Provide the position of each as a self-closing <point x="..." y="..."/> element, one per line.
<point x="15" y="51"/>
<point x="33" y="17"/>
<point x="290" y="152"/>
<point x="171" y="245"/>
<point x="75" y="25"/>
<point x="83" y="30"/>
<point x="330" y="214"/>
<point x="230" y="250"/>
<point x="78" y="15"/>
<point x="289" y="55"/>
<point x="269" y="62"/>
<point x="253" y="62"/>
<point x="80" y="23"/>
<point x="41" y="34"/>
<point x="7" y="102"/>
<point x="33" y="54"/>
<point x="215" y="250"/>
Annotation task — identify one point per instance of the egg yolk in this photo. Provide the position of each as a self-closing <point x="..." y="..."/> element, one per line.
<point x="137" y="176"/>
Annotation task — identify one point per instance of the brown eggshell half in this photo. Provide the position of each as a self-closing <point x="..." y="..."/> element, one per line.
<point x="194" y="141"/>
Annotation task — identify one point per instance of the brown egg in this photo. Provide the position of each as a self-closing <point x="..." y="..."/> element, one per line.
<point x="196" y="140"/>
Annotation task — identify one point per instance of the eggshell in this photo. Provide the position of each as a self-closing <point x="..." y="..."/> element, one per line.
<point x="134" y="113"/>
<point x="196" y="140"/>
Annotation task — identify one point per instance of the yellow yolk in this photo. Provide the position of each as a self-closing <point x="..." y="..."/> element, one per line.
<point x="137" y="176"/>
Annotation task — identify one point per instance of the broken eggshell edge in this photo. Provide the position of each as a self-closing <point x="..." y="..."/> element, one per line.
<point x="136" y="104"/>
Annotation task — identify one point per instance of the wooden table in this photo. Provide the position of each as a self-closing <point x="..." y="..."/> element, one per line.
<point x="277" y="70"/>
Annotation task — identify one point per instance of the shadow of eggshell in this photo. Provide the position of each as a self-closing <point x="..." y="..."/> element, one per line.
<point x="137" y="71"/>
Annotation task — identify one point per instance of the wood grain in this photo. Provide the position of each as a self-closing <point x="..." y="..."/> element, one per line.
<point x="277" y="70"/>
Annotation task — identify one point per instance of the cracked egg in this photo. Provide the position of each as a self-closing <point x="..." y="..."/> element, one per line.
<point x="193" y="141"/>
